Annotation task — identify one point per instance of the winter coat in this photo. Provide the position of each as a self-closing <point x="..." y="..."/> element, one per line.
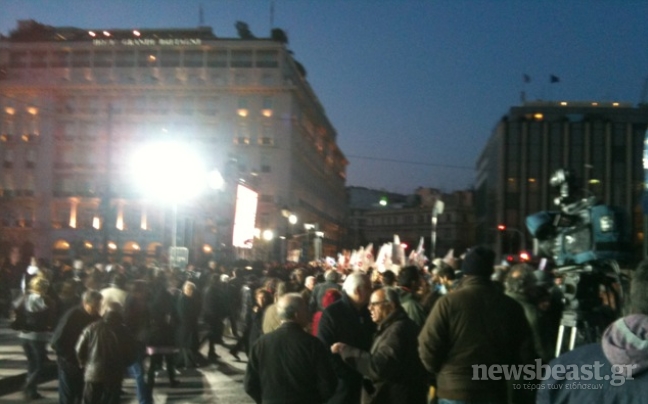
<point x="289" y="366"/>
<point x="532" y="314"/>
<point x="105" y="349"/>
<point x="622" y="352"/>
<point x="37" y="317"/>
<point x="188" y="315"/>
<point x="163" y="323"/>
<point x="476" y="324"/>
<point x="68" y="331"/>
<point x="342" y="322"/>
<point x="412" y="307"/>
<point x="394" y="371"/>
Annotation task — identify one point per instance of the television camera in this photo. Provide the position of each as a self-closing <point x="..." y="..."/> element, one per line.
<point x="586" y="240"/>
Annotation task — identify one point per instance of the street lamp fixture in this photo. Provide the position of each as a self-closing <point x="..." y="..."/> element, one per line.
<point x="268" y="235"/>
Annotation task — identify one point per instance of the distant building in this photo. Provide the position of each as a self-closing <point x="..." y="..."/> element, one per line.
<point x="602" y="142"/>
<point x="410" y="217"/>
<point x="72" y="99"/>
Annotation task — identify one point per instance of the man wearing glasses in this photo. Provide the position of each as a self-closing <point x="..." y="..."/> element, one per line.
<point x="392" y="369"/>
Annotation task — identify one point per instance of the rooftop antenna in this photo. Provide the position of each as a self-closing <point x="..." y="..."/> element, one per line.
<point x="201" y="16"/>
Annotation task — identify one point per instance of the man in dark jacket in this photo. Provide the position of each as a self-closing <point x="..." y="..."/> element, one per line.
<point x="64" y="341"/>
<point x="290" y="366"/>
<point x="409" y="281"/>
<point x="477" y="324"/>
<point x="348" y="321"/>
<point x="104" y="350"/>
<point x="330" y="282"/>
<point x="617" y="365"/>
<point x="394" y="371"/>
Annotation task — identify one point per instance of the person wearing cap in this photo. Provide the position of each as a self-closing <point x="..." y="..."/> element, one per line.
<point x="476" y="324"/>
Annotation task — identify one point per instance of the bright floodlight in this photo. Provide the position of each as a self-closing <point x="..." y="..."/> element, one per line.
<point x="169" y="171"/>
<point x="292" y="219"/>
<point x="268" y="235"/>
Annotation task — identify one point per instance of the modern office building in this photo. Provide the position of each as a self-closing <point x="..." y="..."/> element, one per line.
<point x="601" y="142"/>
<point x="75" y="104"/>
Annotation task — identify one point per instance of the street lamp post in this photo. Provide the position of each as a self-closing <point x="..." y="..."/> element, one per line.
<point x="436" y="211"/>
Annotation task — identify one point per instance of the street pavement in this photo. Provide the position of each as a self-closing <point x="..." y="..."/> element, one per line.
<point x="220" y="382"/>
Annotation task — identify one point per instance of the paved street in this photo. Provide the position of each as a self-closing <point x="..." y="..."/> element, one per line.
<point x="221" y="382"/>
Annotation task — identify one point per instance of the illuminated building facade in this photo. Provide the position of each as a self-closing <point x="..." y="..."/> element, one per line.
<point x="75" y="103"/>
<point x="601" y="142"/>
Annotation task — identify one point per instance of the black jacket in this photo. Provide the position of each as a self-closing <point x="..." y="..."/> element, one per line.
<point x="289" y="366"/>
<point x="342" y="322"/>
<point x="395" y="372"/>
<point x="105" y="349"/>
<point x="68" y="330"/>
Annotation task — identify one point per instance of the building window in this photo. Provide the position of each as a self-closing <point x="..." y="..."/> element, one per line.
<point x="18" y="59"/>
<point x="147" y="58"/>
<point x="125" y="58"/>
<point x="7" y="185"/>
<point x="169" y="58"/>
<point x="103" y="59"/>
<point x="217" y="58"/>
<point x="242" y="109"/>
<point x="59" y="59"/>
<point x="267" y="58"/>
<point x="38" y="59"/>
<point x="7" y="161"/>
<point x="241" y="58"/>
<point x="30" y="158"/>
<point x="193" y="58"/>
<point x="241" y="140"/>
<point x="266" y="109"/>
<point x="266" y="141"/>
<point x="266" y="198"/>
<point x="81" y="59"/>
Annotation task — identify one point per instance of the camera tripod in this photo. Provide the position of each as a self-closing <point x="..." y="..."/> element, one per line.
<point x="573" y="319"/>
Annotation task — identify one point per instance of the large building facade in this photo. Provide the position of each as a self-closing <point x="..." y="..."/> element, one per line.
<point x="601" y="142"/>
<point x="76" y="103"/>
<point x="376" y="216"/>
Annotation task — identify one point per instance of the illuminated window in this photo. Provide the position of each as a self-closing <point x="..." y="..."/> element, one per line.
<point x="538" y="116"/>
<point x="242" y="109"/>
<point x="266" y="109"/>
<point x="242" y="140"/>
<point x="563" y="103"/>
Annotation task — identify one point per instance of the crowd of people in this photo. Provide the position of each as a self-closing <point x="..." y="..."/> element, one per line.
<point x="311" y="333"/>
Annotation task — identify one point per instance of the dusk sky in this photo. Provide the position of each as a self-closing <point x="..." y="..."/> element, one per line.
<point x="413" y="88"/>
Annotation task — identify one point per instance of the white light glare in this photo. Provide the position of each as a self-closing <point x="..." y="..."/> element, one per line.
<point x="169" y="171"/>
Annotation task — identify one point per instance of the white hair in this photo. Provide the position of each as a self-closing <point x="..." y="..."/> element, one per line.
<point x="355" y="280"/>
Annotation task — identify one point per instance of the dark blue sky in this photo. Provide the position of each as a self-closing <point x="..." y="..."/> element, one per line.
<point x="419" y="81"/>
